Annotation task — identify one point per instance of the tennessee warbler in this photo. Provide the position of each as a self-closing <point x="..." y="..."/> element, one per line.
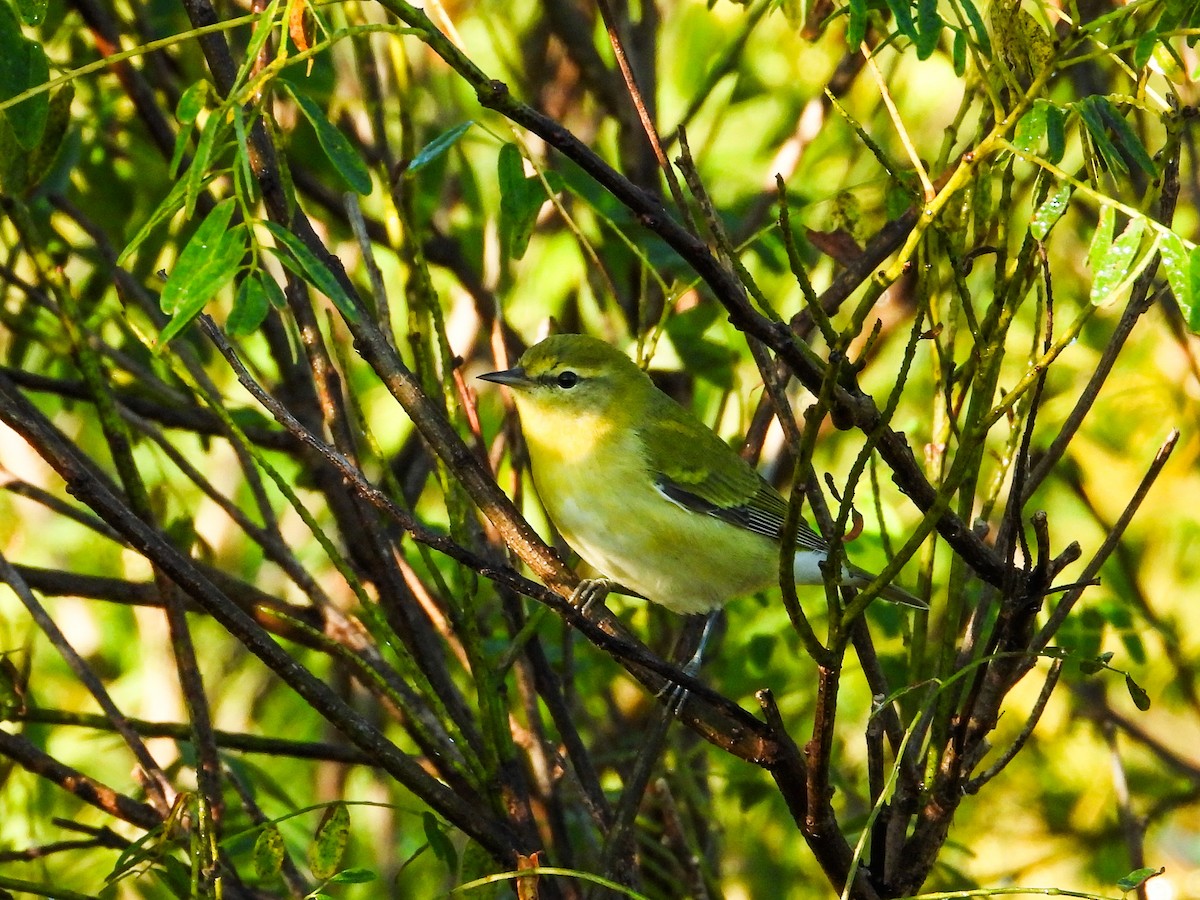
<point x="644" y="491"/>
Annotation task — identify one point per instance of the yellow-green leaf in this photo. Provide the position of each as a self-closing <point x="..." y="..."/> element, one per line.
<point x="329" y="845"/>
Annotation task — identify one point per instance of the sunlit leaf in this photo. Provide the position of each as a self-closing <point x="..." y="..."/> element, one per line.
<point x="1176" y="263"/>
<point x="1137" y="878"/>
<point x="1116" y="262"/>
<point x="191" y="102"/>
<point x="329" y="844"/>
<point x="1048" y="214"/>
<point x="1103" y="237"/>
<point x="207" y="264"/>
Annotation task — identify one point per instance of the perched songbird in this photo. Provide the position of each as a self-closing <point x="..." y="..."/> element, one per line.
<point x="645" y="492"/>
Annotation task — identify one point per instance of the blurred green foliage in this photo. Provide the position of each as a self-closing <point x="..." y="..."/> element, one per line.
<point x="1064" y="123"/>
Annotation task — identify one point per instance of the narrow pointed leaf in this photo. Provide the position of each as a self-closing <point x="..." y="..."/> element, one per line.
<point x="337" y="148"/>
<point x="439" y="145"/>
<point x="1103" y="237"/>
<point x="192" y="286"/>
<point x="1176" y="263"/>
<point x="197" y="256"/>
<point x="981" y="33"/>
<point x="314" y="271"/>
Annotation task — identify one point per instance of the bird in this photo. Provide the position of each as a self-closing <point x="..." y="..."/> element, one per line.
<point x="645" y="492"/>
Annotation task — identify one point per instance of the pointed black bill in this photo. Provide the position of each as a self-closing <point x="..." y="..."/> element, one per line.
<point x="508" y="376"/>
<point x="513" y="377"/>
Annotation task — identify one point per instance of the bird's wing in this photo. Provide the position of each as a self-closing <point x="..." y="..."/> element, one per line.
<point x="693" y="467"/>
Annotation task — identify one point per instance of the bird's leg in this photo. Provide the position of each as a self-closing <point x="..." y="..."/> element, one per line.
<point x="675" y="695"/>
<point x="692" y="666"/>
<point x="590" y="594"/>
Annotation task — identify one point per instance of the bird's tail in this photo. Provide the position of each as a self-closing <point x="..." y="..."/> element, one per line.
<point x="891" y="592"/>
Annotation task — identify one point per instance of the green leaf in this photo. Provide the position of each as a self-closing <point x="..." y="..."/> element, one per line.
<point x="1128" y="144"/>
<point x="32" y="11"/>
<point x="274" y="292"/>
<point x="268" y="852"/>
<point x="981" y="33"/>
<point x="439" y="843"/>
<point x="929" y="28"/>
<point x="167" y="208"/>
<point x="1102" y="239"/>
<point x="1056" y="133"/>
<point x="1048" y="214"/>
<point x="23" y="66"/>
<point x="357" y="875"/>
<point x="1134" y="646"/>
<point x="1144" y="49"/>
<point x="315" y="271"/>
<point x="856" y="29"/>
<point x="958" y="52"/>
<point x="250" y="305"/>
<point x="520" y="200"/>
<point x="196" y="254"/>
<point x="192" y="285"/>
<point x="1116" y="262"/>
<point x="198" y="170"/>
<point x="1031" y="128"/>
<point x="1137" y="878"/>
<point x="192" y="102"/>
<point x="1176" y="262"/>
<point x="1139" y="697"/>
<point x="759" y="650"/>
<point x="439" y="145"/>
<point x="329" y="845"/>
<point x="1193" y="320"/>
<point x="40" y="161"/>
<point x="902" y="13"/>
<point x="1093" y="120"/>
<point x="340" y="151"/>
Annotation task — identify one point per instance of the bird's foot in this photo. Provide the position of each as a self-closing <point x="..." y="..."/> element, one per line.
<point x="673" y="697"/>
<point x="589" y="596"/>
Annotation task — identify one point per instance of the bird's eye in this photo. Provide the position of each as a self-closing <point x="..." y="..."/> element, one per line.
<point x="567" y="379"/>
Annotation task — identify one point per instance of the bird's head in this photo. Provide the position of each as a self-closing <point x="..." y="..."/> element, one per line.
<point x="574" y="375"/>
